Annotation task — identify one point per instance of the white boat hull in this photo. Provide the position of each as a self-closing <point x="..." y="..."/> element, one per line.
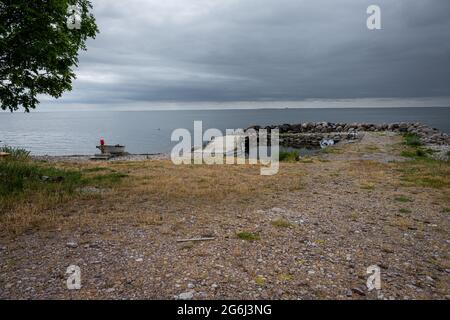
<point x="114" y="150"/>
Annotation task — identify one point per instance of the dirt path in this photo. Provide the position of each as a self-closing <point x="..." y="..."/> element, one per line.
<point x="372" y="146"/>
<point x="317" y="226"/>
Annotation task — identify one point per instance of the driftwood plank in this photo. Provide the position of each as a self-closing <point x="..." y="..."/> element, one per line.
<point x="195" y="239"/>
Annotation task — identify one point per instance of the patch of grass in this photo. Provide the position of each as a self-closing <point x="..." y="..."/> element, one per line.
<point x="29" y="190"/>
<point x="104" y="180"/>
<point x="297" y="186"/>
<point x="425" y="172"/>
<point x="248" y="236"/>
<point x="408" y="154"/>
<point x="448" y="153"/>
<point x="353" y="216"/>
<point x="331" y="150"/>
<point x="403" y="199"/>
<point x="446" y="210"/>
<point x="421" y="153"/>
<point x="319" y="242"/>
<point x="281" y="223"/>
<point x="289" y="156"/>
<point x="417" y="153"/>
<point x="367" y="186"/>
<point x="412" y="140"/>
<point x="436" y="183"/>
<point x="401" y="223"/>
<point x="335" y="174"/>
<point x="96" y="169"/>
<point x="403" y="210"/>
<point x="285" y="277"/>
<point x="32" y="191"/>
<point x="260" y="280"/>
<point x="16" y="153"/>
<point x="27" y="176"/>
<point x="372" y="149"/>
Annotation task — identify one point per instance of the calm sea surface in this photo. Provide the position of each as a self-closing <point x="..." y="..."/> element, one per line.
<point x="67" y="133"/>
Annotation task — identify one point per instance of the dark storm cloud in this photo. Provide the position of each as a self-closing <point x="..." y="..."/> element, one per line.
<point x="237" y="50"/>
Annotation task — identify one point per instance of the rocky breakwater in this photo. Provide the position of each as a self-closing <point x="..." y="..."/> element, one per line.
<point x="311" y="133"/>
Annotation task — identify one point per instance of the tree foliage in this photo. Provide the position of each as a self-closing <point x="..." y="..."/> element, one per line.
<point x="37" y="49"/>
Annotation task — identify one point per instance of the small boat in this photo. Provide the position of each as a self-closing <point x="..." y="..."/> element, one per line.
<point x="113" y="150"/>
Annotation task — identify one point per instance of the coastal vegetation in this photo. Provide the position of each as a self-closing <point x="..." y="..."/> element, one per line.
<point x="425" y="172"/>
<point x="412" y="139"/>
<point x="423" y="169"/>
<point x="289" y="156"/>
<point x="249" y="236"/>
<point x="281" y="223"/>
<point x="403" y="199"/>
<point x="30" y="188"/>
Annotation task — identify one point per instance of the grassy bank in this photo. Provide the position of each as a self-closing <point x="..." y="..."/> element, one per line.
<point x="30" y="190"/>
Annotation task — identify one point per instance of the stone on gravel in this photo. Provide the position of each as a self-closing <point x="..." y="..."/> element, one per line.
<point x="72" y="244"/>
<point x="185" y="296"/>
<point x="359" y="290"/>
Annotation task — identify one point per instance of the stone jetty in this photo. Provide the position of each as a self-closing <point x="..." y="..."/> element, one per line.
<point x="311" y="133"/>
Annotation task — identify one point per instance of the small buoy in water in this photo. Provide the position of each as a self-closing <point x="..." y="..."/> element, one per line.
<point x="326" y="143"/>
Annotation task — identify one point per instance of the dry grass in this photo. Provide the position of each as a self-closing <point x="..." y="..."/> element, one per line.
<point x="248" y="236"/>
<point x="148" y="193"/>
<point x="425" y="173"/>
<point x="41" y="195"/>
<point x="281" y="223"/>
<point x="158" y="193"/>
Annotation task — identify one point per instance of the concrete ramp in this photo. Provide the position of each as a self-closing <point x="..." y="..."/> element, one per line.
<point x="226" y="145"/>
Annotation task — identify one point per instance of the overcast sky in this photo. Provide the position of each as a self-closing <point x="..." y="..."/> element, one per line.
<point x="262" y="50"/>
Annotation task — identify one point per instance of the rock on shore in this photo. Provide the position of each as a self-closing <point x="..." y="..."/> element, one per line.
<point x="426" y="134"/>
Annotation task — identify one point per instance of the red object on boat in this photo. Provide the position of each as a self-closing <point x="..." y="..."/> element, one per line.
<point x="102" y="142"/>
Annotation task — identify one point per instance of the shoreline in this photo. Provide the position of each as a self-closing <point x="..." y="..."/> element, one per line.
<point x="87" y="158"/>
<point x="358" y="103"/>
<point x="306" y="134"/>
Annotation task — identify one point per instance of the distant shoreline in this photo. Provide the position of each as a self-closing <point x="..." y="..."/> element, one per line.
<point x="97" y="109"/>
<point x="350" y="103"/>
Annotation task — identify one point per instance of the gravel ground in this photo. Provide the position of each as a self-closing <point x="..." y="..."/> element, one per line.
<point x="333" y="229"/>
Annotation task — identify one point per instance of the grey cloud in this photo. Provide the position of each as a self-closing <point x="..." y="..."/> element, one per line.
<point x="252" y="50"/>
